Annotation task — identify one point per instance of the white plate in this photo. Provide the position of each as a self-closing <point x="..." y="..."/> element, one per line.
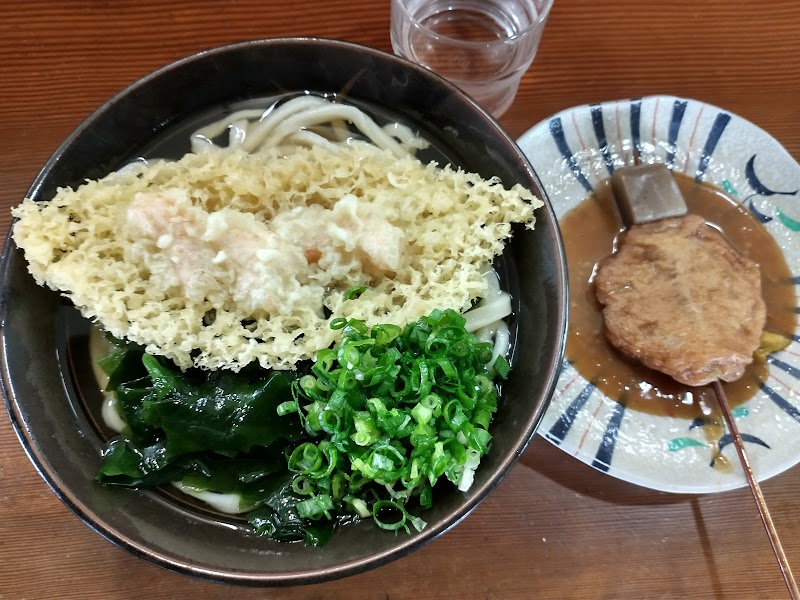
<point x="572" y="152"/>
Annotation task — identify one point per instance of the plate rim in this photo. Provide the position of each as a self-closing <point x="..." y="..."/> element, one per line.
<point x="525" y="141"/>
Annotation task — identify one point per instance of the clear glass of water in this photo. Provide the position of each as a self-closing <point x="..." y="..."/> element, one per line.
<point x="482" y="46"/>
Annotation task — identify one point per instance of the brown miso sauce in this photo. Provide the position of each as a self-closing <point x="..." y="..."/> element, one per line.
<point x="590" y="231"/>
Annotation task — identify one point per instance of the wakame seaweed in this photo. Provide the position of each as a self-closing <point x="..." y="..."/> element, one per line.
<point x="368" y="431"/>
<point x="212" y="431"/>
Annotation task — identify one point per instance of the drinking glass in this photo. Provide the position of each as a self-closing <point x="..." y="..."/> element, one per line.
<point x="482" y="46"/>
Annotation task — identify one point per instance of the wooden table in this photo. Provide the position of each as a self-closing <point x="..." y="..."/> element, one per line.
<point x="555" y="528"/>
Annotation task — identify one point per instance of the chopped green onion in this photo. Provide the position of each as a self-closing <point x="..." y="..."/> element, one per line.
<point x="416" y="522"/>
<point x="329" y="421"/>
<point x="337" y="400"/>
<point x="421" y="413"/>
<point x="338" y="486"/>
<point x="338" y="323"/>
<point x="306" y="458"/>
<point x="355" y="292"/>
<point x="482" y="418"/>
<point x="454" y="415"/>
<point x="432" y="402"/>
<point x="447" y="368"/>
<point x="385" y="334"/>
<point x="389" y="508"/>
<point x="284" y="408"/>
<point x="501" y="367"/>
<point x="426" y="496"/>
<point x="349" y="356"/>
<point x="360" y="507"/>
<point x="397" y="410"/>
<point x="315" y="507"/>
<point x="302" y="485"/>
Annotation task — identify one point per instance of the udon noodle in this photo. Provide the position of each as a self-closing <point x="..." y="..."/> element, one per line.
<point x="297" y="122"/>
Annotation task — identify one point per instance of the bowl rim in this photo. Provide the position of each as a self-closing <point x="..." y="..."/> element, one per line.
<point x="303" y="575"/>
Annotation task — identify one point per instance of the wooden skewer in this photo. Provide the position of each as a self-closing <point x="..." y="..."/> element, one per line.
<point x="645" y="193"/>
<point x="758" y="496"/>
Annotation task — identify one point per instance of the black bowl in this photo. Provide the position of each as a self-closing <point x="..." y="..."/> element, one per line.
<point x="45" y="382"/>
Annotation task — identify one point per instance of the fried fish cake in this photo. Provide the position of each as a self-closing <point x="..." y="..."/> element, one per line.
<point x="678" y="298"/>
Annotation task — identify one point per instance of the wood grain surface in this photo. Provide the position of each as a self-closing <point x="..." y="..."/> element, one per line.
<point x="554" y="528"/>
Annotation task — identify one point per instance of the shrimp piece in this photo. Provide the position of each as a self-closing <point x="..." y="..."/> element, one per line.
<point x="376" y="242"/>
<point x="305" y="226"/>
<point x="171" y="221"/>
<point x="351" y="233"/>
<point x="270" y="271"/>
